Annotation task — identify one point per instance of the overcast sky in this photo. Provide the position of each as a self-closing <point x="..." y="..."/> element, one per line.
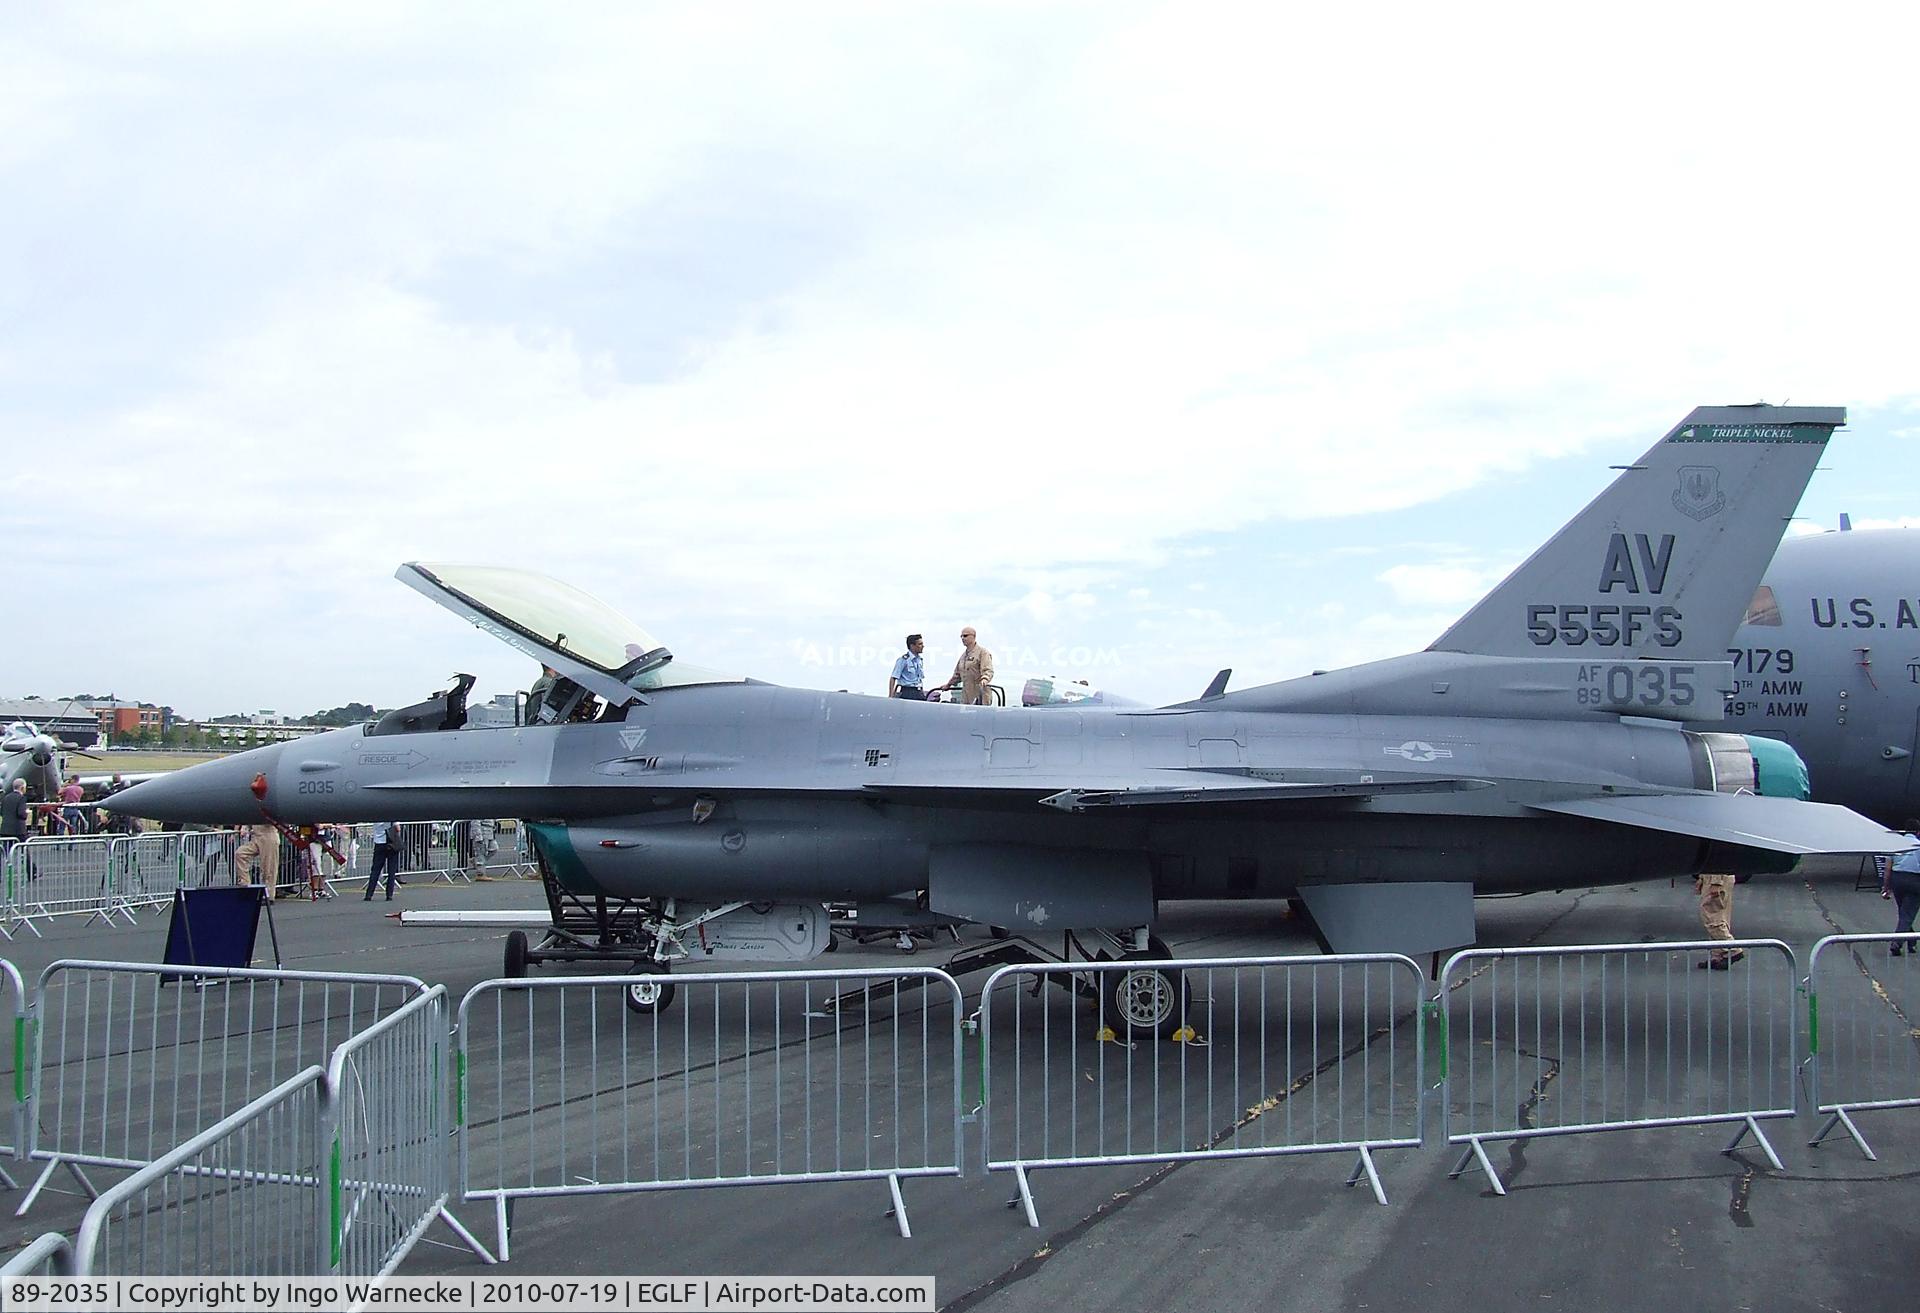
<point x="1148" y="340"/>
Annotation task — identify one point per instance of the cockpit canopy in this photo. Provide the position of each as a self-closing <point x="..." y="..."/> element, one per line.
<point x="559" y="626"/>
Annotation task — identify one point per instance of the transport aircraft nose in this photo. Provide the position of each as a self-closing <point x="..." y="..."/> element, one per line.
<point x="214" y="792"/>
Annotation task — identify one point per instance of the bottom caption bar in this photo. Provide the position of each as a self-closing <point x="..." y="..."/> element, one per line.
<point x="681" y="1294"/>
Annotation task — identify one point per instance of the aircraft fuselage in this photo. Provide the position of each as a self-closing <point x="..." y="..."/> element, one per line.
<point x="829" y="795"/>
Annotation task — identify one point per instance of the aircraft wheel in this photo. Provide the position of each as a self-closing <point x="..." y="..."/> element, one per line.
<point x="999" y="932"/>
<point x="516" y="964"/>
<point x="651" y="995"/>
<point x="1144" y="1002"/>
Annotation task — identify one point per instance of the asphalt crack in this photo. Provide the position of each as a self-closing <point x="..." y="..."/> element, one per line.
<point x="1517" y="1149"/>
<point x="1738" y="1206"/>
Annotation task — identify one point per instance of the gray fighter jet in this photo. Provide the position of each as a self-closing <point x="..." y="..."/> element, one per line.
<point x="1828" y="659"/>
<point x="1566" y="732"/>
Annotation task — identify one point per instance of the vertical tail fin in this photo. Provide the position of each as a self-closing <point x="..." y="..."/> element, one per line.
<point x="1664" y="562"/>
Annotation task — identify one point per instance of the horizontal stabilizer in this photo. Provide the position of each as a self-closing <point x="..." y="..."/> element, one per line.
<point x="1781" y="825"/>
<point x="1075" y="800"/>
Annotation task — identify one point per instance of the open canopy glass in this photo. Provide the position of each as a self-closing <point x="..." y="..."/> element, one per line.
<point x="555" y="620"/>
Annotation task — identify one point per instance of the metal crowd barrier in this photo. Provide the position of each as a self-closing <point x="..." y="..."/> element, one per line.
<point x="1261" y="1070"/>
<point x="60" y="877"/>
<point x="51" y="1255"/>
<point x="110" y="876"/>
<point x="772" y="1076"/>
<point x="149" y="867"/>
<point x="18" y="1071"/>
<point x="438" y="849"/>
<point x="387" y="1113"/>
<point x="245" y="1195"/>
<point x="132" y="1058"/>
<point x="1861" y="1042"/>
<point x="441" y="850"/>
<point x="1554" y="1041"/>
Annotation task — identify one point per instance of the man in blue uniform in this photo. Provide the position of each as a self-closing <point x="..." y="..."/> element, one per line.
<point x="909" y="672"/>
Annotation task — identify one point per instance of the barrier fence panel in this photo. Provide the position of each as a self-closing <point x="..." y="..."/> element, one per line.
<point x="1555" y="1041"/>
<point x="245" y="1196"/>
<point x="149" y="867"/>
<point x="1863" y="1028"/>
<point x="135" y="1057"/>
<point x="61" y="877"/>
<point x="750" y="1078"/>
<point x="1280" y="1055"/>
<point x="435" y="849"/>
<point x="388" y="1123"/>
<point x="51" y="1255"/>
<point x="16" y="1068"/>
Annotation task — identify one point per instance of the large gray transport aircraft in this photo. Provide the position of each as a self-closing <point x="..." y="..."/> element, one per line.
<point x="1828" y="659"/>
<point x="1566" y="732"/>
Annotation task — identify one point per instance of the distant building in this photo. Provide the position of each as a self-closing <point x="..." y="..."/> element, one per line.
<point x="70" y="722"/>
<point x="501" y="711"/>
<point x="256" y="729"/>
<point x="117" y="718"/>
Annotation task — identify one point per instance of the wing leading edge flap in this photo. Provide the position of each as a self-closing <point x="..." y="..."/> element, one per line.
<point x="1076" y="800"/>
<point x="1781" y="825"/>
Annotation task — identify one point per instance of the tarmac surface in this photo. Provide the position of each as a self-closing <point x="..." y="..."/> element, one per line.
<point x="1656" y="1218"/>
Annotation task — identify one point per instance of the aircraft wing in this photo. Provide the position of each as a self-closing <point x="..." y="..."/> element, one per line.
<point x="1079" y="800"/>
<point x="1184" y="790"/>
<point x="126" y="777"/>
<point x="1782" y="825"/>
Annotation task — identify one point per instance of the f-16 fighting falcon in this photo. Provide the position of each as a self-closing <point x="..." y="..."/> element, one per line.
<point x="1564" y="733"/>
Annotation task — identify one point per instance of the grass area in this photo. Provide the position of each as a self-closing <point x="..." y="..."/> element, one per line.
<point x="104" y="763"/>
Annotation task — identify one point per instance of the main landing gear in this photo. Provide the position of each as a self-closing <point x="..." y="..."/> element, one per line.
<point x="1136" y="1003"/>
<point x="1145" y="1002"/>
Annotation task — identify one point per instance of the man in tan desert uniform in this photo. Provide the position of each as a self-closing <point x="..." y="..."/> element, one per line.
<point x="973" y="672"/>
<point x="261" y="845"/>
<point x="1716" y="914"/>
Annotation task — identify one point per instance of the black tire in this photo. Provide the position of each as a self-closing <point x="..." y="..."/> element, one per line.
<point x="1143" y="1004"/>
<point x="515" y="967"/>
<point x="651" y="993"/>
<point x="999" y="932"/>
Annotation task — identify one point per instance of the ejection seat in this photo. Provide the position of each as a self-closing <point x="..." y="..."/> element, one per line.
<point x="442" y="711"/>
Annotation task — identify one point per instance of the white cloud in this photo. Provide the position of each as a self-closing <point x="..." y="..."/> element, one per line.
<point x="783" y="327"/>
<point x="1440" y="584"/>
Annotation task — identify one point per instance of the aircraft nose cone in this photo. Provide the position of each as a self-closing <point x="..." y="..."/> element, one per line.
<point x="214" y="792"/>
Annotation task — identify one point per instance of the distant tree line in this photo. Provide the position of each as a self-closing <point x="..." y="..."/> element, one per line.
<point x="353" y="713"/>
